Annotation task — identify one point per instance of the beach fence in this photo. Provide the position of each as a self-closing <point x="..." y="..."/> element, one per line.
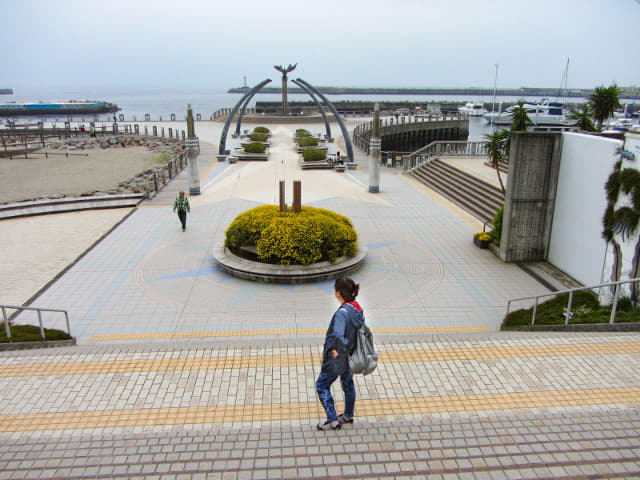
<point x="18" y="140"/>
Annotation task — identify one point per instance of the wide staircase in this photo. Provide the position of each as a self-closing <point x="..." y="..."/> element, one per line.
<point x="479" y="198"/>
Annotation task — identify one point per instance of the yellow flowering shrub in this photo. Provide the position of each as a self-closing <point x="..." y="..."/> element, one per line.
<point x="311" y="236"/>
<point x="483" y="236"/>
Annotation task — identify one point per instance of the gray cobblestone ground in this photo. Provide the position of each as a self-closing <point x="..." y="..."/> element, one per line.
<point x="172" y="401"/>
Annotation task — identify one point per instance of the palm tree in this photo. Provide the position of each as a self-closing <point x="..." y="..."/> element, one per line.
<point x="497" y="143"/>
<point x="604" y="101"/>
<point x="519" y="117"/>
<point x="583" y="119"/>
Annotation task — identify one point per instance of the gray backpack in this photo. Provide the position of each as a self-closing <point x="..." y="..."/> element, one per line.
<point x="364" y="358"/>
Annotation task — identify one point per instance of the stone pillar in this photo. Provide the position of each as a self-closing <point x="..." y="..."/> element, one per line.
<point x="374" y="153"/>
<point x="283" y="204"/>
<point x="285" y="110"/>
<point x="534" y="165"/>
<point x="297" y="196"/>
<point x="193" y="151"/>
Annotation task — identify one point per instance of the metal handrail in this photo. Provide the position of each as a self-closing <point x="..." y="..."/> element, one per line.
<point x="7" y="324"/>
<point x="567" y="312"/>
<point x="444" y="148"/>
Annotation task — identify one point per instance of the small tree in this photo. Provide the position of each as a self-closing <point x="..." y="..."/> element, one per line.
<point x="604" y="101"/>
<point x="583" y="119"/>
<point x="497" y="144"/>
<point x="519" y="117"/>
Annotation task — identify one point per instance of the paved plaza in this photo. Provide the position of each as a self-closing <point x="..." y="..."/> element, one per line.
<point x="182" y="371"/>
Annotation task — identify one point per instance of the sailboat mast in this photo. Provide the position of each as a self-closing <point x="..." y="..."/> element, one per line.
<point x="493" y="103"/>
<point x="564" y="82"/>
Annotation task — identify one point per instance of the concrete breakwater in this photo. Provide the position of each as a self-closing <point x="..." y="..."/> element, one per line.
<point x="627" y="92"/>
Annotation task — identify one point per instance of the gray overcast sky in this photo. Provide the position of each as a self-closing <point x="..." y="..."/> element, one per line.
<point x="412" y="43"/>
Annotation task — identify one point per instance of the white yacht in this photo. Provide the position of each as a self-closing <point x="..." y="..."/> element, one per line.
<point x="543" y="113"/>
<point x="473" y="109"/>
<point x="623" y="124"/>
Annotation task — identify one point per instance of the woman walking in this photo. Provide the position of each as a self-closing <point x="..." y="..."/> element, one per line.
<point x="339" y="342"/>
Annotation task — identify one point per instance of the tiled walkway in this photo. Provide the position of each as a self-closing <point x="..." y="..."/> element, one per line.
<point x="184" y="372"/>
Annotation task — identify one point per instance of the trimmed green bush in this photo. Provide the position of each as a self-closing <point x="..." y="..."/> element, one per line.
<point x="496" y="233"/>
<point x="255" y="148"/>
<point x="301" y="132"/>
<point x="313" y="155"/>
<point x="258" y="137"/>
<point x="585" y="308"/>
<point x="261" y="130"/>
<point x="31" y="333"/>
<point x="311" y="236"/>
<point x="307" y="142"/>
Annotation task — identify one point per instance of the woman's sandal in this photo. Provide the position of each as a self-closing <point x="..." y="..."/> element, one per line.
<point x="335" y="425"/>
<point x="342" y="419"/>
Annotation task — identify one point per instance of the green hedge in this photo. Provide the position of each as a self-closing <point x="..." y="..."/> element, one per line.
<point x="307" y="142"/>
<point x="311" y="236"/>
<point x="313" y="155"/>
<point x="255" y="148"/>
<point x="258" y="137"/>
<point x="585" y="308"/>
<point x="301" y="132"/>
<point x="496" y="233"/>
<point x="31" y="333"/>
<point x="261" y="130"/>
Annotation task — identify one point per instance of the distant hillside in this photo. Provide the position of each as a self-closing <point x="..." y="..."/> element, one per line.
<point x="628" y="92"/>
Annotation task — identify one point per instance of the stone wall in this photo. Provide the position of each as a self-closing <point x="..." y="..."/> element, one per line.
<point x="530" y="196"/>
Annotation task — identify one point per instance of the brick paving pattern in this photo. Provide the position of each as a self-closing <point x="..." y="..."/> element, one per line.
<point x="184" y="372"/>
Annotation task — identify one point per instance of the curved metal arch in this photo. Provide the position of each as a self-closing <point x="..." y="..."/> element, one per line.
<point x="225" y="130"/>
<point x="243" y="110"/>
<point x="345" y="132"/>
<point x="324" y="114"/>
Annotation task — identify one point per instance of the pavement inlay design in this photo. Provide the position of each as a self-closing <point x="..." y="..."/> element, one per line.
<point x="250" y="413"/>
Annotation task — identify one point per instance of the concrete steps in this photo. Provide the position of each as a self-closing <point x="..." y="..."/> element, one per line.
<point x="474" y="195"/>
<point x="514" y="444"/>
<point x="69" y="204"/>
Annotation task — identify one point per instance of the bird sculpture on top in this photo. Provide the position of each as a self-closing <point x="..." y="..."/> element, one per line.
<point x="283" y="70"/>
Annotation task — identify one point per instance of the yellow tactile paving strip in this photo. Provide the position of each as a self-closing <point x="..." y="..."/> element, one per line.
<point x="308" y="410"/>
<point x="275" y="331"/>
<point x="301" y="360"/>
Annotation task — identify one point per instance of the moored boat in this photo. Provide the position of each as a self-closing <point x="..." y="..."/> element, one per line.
<point x="543" y="113"/>
<point x="473" y="109"/>
<point x="63" y="108"/>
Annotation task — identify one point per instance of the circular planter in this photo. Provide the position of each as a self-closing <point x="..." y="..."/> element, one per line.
<point x="291" y="274"/>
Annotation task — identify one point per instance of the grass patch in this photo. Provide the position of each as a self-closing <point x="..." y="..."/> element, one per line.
<point x="161" y="158"/>
<point x="30" y="333"/>
<point x="585" y="308"/>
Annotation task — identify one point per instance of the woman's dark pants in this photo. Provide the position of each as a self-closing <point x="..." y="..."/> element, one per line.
<point x="323" y="387"/>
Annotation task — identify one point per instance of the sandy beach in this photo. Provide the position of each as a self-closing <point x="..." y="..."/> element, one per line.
<point x="84" y="172"/>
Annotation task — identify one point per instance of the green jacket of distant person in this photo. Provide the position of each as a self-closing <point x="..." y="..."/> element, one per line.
<point x="181" y="204"/>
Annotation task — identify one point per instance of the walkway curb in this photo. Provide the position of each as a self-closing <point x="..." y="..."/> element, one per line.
<point x="262" y="272"/>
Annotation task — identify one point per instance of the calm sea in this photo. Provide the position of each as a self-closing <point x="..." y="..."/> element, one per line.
<point x="162" y="103"/>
